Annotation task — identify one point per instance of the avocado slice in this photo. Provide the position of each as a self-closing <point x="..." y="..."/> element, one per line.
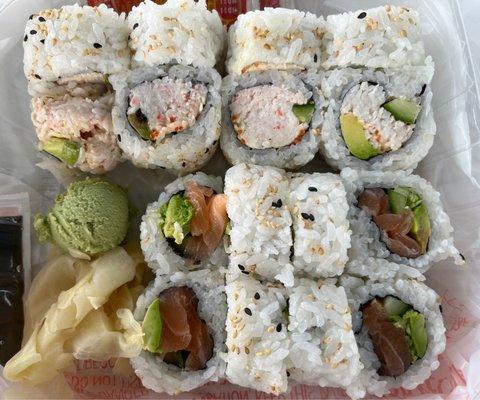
<point x="355" y="139"/>
<point x="397" y="201"/>
<point x="63" y="149"/>
<point x="403" y="110"/>
<point x="394" y="306"/>
<point x="177" y="218"/>
<point x="416" y="331"/>
<point x="152" y="327"/>
<point x="304" y="112"/>
<point x="420" y="229"/>
<point x="139" y="122"/>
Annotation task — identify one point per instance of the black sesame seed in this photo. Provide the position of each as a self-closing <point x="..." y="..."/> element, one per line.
<point x="315" y="58"/>
<point x="184" y="164"/>
<point x="31" y="16"/>
<point x="248" y="311"/>
<point x="463" y="257"/>
<point x="135" y="25"/>
<point x="42" y="41"/>
<point x="288" y="374"/>
<point x="424" y="87"/>
<point x="41" y="19"/>
<point x="241" y="267"/>
<point x="33" y="32"/>
<point x="25" y="38"/>
<point x="245" y="272"/>
<point x="312" y="189"/>
<point x="97" y="45"/>
<point x="207" y="150"/>
<point x="256" y="296"/>
<point x="279" y="327"/>
<point x="305" y="216"/>
<point x="362" y="15"/>
<point x="441" y="308"/>
<point x="311" y="217"/>
<point x="119" y="138"/>
<point x="277" y="203"/>
<point x="38" y="76"/>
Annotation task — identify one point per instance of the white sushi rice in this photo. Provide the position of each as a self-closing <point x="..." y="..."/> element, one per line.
<point x="156" y="375"/>
<point x="257" y="339"/>
<point x="379" y="269"/>
<point x="274" y="38"/>
<point x="366" y="235"/>
<point x="292" y="156"/>
<point x="73" y="40"/>
<point x="407" y="83"/>
<point x="320" y="246"/>
<point x="181" y="153"/>
<point x="158" y="253"/>
<point x="179" y="31"/>
<point x="260" y="236"/>
<point x="422" y="299"/>
<point x="73" y="117"/>
<point x="323" y="348"/>
<point x="382" y="37"/>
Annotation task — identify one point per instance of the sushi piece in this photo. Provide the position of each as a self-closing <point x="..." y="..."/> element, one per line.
<point x="318" y="205"/>
<point x="168" y="117"/>
<point x="377" y="120"/>
<point x="78" y="131"/>
<point x="382" y="37"/>
<point x="183" y="320"/>
<point x="184" y="229"/>
<point x="323" y="349"/>
<point x="271" y="118"/>
<point x="399" y="331"/>
<point x="398" y="217"/>
<point x="176" y="32"/>
<point x="74" y="46"/>
<point x="274" y="38"/>
<point x="257" y="338"/>
<point x="260" y="234"/>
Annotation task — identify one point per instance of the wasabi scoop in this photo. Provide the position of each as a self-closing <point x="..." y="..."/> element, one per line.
<point x="91" y="217"/>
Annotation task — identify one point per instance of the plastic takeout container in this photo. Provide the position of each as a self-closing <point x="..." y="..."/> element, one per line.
<point x="452" y="166"/>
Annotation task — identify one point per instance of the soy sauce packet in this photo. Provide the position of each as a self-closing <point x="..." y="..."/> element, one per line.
<point x="14" y="270"/>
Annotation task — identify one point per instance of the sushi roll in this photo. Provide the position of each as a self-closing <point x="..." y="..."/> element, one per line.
<point x="318" y="205"/>
<point x="78" y="131"/>
<point x="377" y="120"/>
<point x="176" y="32"/>
<point x="323" y="350"/>
<point x="398" y="217"/>
<point x="271" y="118"/>
<point x="274" y="38"/>
<point x="168" y="116"/>
<point x="183" y="320"/>
<point x="399" y="331"/>
<point x="257" y="339"/>
<point x="73" y="46"/>
<point x="184" y="229"/>
<point x="260" y="233"/>
<point x="382" y="37"/>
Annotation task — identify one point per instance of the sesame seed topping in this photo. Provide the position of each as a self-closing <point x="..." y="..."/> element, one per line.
<point x="31" y="16"/>
<point x="248" y="311"/>
<point x="305" y="216"/>
<point x="41" y="19"/>
<point x="33" y="32"/>
<point x="119" y="138"/>
<point x="279" y="327"/>
<point x="241" y="267"/>
<point x="135" y="25"/>
<point x="207" y="150"/>
<point x="424" y="87"/>
<point x="362" y="15"/>
<point x="97" y="45"/>
<point x="245" y="272"/>
<point x="277" y="203"/>
<point x="315" y="58"/>
<point x="312" y="189"/>
<point x="311" y="217"/>
<point x="38" y="76"/>
<point x="25" y="38"/>
<point x="257" y="296"/>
